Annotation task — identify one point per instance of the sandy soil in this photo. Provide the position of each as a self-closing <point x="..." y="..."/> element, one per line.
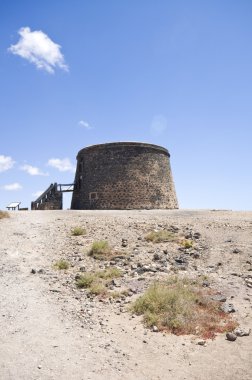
<point x="52" y="330"/>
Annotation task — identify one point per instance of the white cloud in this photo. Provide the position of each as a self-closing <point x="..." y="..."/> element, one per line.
<point x="158" y="125"/>
<point x="37" y="193"/>
<point x="6" y="163"/>
<point x="39" y="49"/>
<point x="63" y="165"/>
<point x="12" y="187"/>
<point x="32" y="170"/>
<point x="84" y="124"/>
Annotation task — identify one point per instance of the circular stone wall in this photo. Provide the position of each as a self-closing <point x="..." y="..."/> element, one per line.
<point x="123" y="175"/>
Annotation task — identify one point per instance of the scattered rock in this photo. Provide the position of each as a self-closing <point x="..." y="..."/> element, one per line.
<point x="228" y="308"/>
<point x="248" y="282"/>
<point x="124" y="242"/>
<point x="133" y="290"/>
<point x="156" y="256"/>
<point x="236" y="250"/>
<point x="242" y="332"/>
<point x="174" y="229"/>
<point x="196" y="235"/>
<point x="201" y="342"/>
<point x="231" y="336"/>
<point x="33" y="271"/>
<point x="219" y="298"/>
<point x="116" y="283"/>
<point x="180" y="260"/>
<point x="205" y="284"/>
<point x="195" y="255"/>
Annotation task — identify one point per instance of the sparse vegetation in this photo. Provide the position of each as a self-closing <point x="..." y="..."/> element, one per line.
<point x="100" y="250"/>
<point x="96" y="282"/>
<point x="78" y="231"/>
<point x="187" y="243"/>
<point x="181" y="306"/>
<point x="4" y="214"/>
<point x="109" y="273"/>
<point x="160" y="236"/>
<point x="98" y="289"/>
<point x="61" y="265"/>
<point x="85" y="280"/>
<point x="118" y="294"/>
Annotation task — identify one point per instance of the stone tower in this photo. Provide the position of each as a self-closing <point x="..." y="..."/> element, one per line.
<point x="123" y="175"/>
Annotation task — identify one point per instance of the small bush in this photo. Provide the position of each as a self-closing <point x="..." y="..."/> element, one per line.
<point x="4" y="214"/>
<point x="187" y="243"/>
<point x="160" y="236"/>
<point x="91" y="282"/>
<point x="61" y="264"/>
<point x="78" y="231"/>
<point x="100" y="250"/>
<point x="118" y="294"/>
<point x="109" y="273"/>
<point x="96" y="282"/>
<point x="180" y="306"/>
<point x="115" y="294"/>
<point x="85" y="280"/>
<point x="98" y="289"/>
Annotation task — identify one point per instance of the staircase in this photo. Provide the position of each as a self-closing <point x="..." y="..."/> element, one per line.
<point x="51" y="199"/>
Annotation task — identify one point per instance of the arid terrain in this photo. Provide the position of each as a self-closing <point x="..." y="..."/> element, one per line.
<point x="51" y="329"/>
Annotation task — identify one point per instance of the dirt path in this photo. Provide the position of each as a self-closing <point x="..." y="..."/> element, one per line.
<point x="37" y="342"/>
<point x="42" y="335"/>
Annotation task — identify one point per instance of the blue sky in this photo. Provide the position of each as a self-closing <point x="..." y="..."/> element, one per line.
<point x="172" y="73"/>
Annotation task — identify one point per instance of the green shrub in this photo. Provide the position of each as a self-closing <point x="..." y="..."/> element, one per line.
<point x="109" y="273"/>
<point x="187" y="243"/>
<point x="100" y="250"/>
<point x="85" y="280"/>
<point x="181" y="307"/>
<point x="118" y="294"/>
<point x="61" y="264"/>
<point x="160" y="236"/>
<point x="78" y="231"/>
<point x="98" y="288"/>
<point x="96" y="282"/>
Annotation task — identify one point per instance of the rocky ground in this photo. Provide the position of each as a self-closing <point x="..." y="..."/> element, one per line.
<point x="51" y="329"/>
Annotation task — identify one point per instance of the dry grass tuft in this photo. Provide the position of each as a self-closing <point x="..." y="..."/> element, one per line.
<point x="61" y="265"/>
<point x="101" y="250"/>
<point x="109" y="273"/>
<point x="160" y="236"/>
<point x="98" y="289"/>
<point x="96" y="282"/>
<point x="85" y="280"/>
<point x="4" y="214"/>
<point x="181" y="306"/>
<point x="187" y="243"/>
<point x="78" y="231"/>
